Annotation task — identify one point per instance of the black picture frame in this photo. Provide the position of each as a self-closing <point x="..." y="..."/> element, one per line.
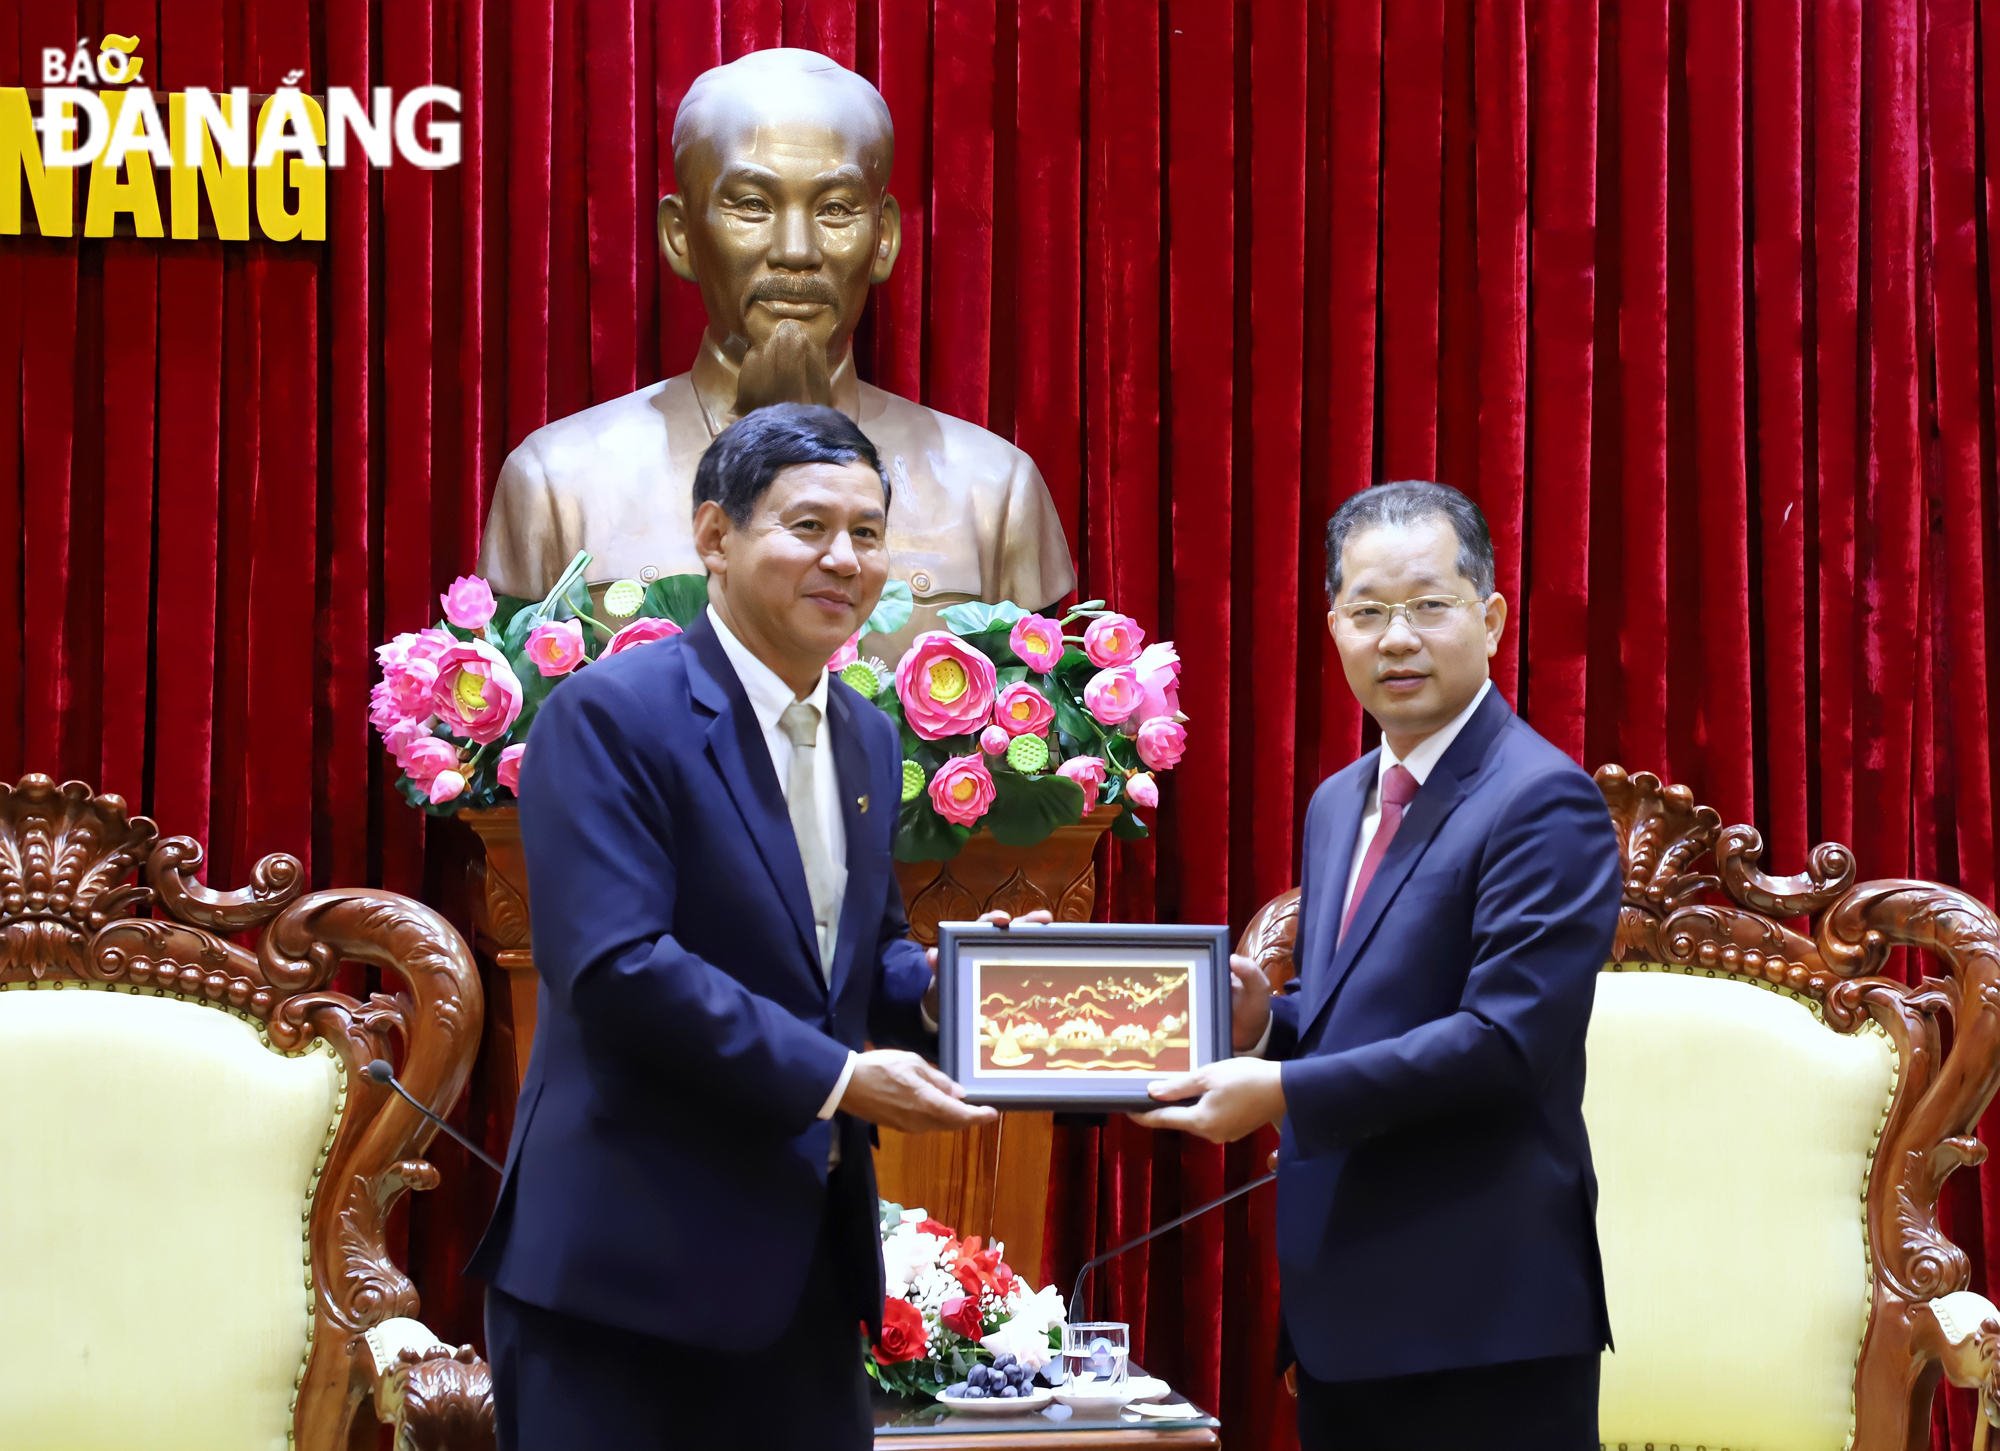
<point x="966" y="948"/>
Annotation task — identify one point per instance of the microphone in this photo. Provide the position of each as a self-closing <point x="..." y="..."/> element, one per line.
<point x="1076" y="1295"/>
<point x="380" y="1072"/>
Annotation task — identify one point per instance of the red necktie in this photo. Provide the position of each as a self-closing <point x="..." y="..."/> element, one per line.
<point x="1399" y="788"/>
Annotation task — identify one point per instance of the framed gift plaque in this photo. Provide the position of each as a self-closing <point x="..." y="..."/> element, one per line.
<point x="1078" y="1016"/>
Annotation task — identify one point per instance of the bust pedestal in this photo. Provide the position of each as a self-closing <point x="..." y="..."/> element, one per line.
<point x="991" y="1181"/>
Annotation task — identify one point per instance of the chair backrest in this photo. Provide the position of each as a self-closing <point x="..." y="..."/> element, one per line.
<point x="1772" y="1115"/>
<point x="197" y="1170"/>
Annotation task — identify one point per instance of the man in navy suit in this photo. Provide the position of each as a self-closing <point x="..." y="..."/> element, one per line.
<point x="685" y="1243"/>
<point x="1437" y="1242"/>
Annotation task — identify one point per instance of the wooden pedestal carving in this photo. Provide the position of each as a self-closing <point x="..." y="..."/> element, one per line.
<point x="992" y="1182"/>
<point x="500" y="918"/>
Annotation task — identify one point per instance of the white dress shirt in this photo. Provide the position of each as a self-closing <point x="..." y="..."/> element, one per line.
<point x="1421" y="761"/>
<point x="769" y="699"/>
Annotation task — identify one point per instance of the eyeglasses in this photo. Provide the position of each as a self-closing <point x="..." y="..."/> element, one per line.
<point x="1427" y="615"/>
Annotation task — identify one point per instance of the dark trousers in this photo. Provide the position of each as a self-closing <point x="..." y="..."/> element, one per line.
<point x="1532" y="1405"/>
<point x="564" y="1384"/>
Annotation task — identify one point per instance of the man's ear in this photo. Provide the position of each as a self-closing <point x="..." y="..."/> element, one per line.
<point x="672" y="222"/>
<point x="888" y="244"/>
<point x="711" y="528"/>
<point x="1496" y="623"/>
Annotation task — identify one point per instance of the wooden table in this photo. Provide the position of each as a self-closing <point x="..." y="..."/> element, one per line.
<point x="900" y="1426"/>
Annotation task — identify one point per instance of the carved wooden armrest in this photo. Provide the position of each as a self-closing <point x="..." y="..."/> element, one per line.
<point x="434" y="1397"/>
<point x="1961" y="1331"/>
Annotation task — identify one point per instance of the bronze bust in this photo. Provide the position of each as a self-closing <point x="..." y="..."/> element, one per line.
<point x="784" y="221"/>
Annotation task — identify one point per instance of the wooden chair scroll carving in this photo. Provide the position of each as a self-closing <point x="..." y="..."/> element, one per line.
<point x="1695" y="897"/>
<point x="67" y="909"/>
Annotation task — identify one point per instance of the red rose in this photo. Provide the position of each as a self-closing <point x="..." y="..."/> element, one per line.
<point x="942" y="1231"/>
<point x="902" y="1332"/>
<point x="961" y="1313"/>
<point x="1003" y="1279"/>
<point x="967" y="1275"/>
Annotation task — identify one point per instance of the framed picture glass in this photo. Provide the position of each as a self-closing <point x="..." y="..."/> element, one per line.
<point x="1078" y="1016"/>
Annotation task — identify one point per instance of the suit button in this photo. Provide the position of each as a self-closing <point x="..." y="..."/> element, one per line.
<point x="920" y="582"/>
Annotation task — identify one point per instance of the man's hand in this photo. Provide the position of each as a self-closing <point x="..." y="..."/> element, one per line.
<point x="900" y="1091"/>
<point x="1249" y="1003"/>
<point x="996" y="919"/>
<point x="1237" y="1097"/>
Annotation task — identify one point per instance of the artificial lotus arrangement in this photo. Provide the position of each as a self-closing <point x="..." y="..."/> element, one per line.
<point x="1008" y="723"/>
<point x="1013" y="724"/>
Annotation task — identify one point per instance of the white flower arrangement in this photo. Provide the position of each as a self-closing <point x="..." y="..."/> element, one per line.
<point x="952" y="1304"/>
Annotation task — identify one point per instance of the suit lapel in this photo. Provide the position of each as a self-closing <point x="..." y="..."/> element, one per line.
<point x="736" y="745"/>
<point x="850" y="756"/>
<point x="1433" y="805"/>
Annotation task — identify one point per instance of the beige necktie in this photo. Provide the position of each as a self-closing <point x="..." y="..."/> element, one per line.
<point x="801" y="726"/>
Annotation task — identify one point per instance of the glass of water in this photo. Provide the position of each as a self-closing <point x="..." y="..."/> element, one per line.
<point x="1094" y="1352"/>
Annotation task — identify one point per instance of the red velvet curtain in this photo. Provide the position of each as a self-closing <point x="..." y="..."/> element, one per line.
<point x="1696" y="298"/>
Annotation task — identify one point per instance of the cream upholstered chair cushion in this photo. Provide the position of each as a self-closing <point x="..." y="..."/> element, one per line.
<point x="1733" y="1133"/>
<point x="157" y="1161"/>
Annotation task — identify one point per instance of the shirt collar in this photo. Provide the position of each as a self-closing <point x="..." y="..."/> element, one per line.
<point x="1426" y="753"/>
<point x="769" y="696"/>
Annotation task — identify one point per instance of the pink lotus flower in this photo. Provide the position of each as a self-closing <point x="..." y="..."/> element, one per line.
<point x="508" y="771"/>
<point x="1112" y="640"/>
<point x="1113" y="695"/>
<point x="409" y="671"/>
<point x="1088" y="772"/>
<point x="642" y="631"/>
<point x="945" y="685"/>
<point x="1161" y="742"/>
<point x="1023" y="710"/>
<point x="477" y="695"/>
<point x="446" y="786"/>
<point x="1038" y="641"/>
<point x="1142" y="790"/>
<point x="399" y="737"/>
<point x="556" y="646"/>
<point x="994" y="740"/>
<point x="468" y="604"/>
<point x="962" y="789"/>
<point x="846" y="655"/>
<point x="427" y="756"/>
<point x="1159" y="670"/>
<point x="403" y="694"/>
<point x="425" y="644"/>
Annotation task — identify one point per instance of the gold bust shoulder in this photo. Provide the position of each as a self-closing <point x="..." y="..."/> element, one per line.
<point x="784" y="221"/>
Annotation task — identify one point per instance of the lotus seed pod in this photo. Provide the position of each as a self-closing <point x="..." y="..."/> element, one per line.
<point x="1028" y="754"/>
<point x="861" y="676"/>
<point x="624" y="598"/>
<point x="913" y="780"/>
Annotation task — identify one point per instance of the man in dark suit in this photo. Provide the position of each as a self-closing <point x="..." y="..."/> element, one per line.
<point x="685" y="1243"/>
<point x="1437" y="1242"/>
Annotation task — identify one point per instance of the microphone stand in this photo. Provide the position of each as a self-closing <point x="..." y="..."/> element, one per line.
<point x="1076" y="1295"/>
<point x="378" y="1071"/>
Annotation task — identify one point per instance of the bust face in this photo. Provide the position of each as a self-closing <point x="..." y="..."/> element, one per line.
<point x="782" y="213"/>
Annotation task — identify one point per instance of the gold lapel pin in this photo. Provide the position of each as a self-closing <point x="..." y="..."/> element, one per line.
<point x="862" y="802"/>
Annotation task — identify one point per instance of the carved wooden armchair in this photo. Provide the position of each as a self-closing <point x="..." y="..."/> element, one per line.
<point x="1772" y="1119"/>
<point x="194" y="1172"/>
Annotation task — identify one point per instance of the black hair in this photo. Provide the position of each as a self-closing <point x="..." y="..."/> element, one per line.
<point x="739" y="466"/>
<point x="1405" y="501"/>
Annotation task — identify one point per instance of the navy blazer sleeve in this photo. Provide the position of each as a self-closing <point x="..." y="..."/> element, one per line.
<point x="903" y="969"/>
<point x="1542" y="926"/>
<point x="597" y="824"/>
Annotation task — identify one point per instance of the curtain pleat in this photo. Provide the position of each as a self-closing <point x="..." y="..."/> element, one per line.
<point x="1696" y="300"/>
